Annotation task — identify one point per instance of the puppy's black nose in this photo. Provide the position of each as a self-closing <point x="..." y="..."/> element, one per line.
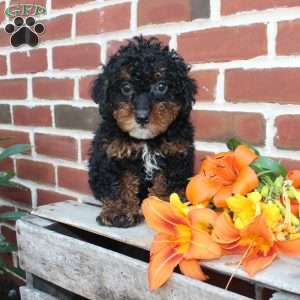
<point x="142" y="117"/>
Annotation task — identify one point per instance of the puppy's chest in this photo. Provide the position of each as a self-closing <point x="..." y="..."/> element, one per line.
<point x="151" y="161"/>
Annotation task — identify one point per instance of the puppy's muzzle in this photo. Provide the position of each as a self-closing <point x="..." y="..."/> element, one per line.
<point x="142" y="109"/>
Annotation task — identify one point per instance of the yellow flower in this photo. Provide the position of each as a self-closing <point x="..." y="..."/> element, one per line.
<point x="244" y="209"/>
<point x="182" y="208"/>
<point x="272" y="214"/>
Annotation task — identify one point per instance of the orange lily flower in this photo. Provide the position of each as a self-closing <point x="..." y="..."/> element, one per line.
<point x="294" y="175"/>
<point x="256" y="242"/>
<point x="181" y="240"/>
<point x="222" y="175"/>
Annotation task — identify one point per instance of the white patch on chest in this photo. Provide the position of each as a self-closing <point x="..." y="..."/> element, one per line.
<point x="150" y="159"/>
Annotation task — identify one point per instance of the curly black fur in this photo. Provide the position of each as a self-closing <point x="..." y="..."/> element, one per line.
<point x="143" y="63"/>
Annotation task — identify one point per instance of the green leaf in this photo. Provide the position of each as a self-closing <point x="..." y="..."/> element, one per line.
<point x="9" y="184"/>
<point x="265" y="164"/>
<point x="15" y="149"/>
<point x="6" y="247"/>
<point x="11" y="215"/>
<point x="6" y="176"/>
<point x="17" y="271"/>
<point x="233" y="143"/>
<point x="2" y="263"/>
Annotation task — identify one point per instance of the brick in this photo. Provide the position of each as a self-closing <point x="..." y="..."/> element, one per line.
<point x="5" y="117"/>
<point x="39" y="2"/>
<point x="58" y="4"/>
<point x="51" y="88"/>
<point x="64" y="147"/>
<point x="6" y="165"/>
<point x="32" y="116"/>
<point x="73" y="179"/>
<point x="40" y="172"/>
<point x="8" y="259"/>
<point x="3" y="65"/>
<point x="29" y="62"/>
<point x="223" y="44"/>
<point x="21" y="195"/>
<point x="230" y="7"/>
<point x="4" y="38"/>
<point x="157" y="11"/>
<point x="285" y="45"/>
<point x="57" y="28"/>
<point x="206" y="82"/>
<point x="290" y="164"/>
<point x="11" y="137"/>
<point x="9" y="234"/>
<point x="220" y="126"/>
<point x="85" y="118"/>
<point x="288" y="132"/>
<point x="113" y="46"/>
<point x="2" y="12"/>
<point x="83" y="56"/>
<point x="85" y="147"/>
<point x="85" y="87"/>
<point x="266" y="85"/>
<point x="107" y="19"/>
<point x="6" y="209"/>
<point x="47" y="197"/>
<point x="13" y="89"/>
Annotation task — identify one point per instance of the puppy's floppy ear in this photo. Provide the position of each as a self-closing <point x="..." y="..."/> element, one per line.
<point x="190" y="89"/>
<point x="99" y="91"/>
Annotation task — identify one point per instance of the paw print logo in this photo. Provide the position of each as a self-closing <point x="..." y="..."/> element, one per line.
<point x="24" y="32"/>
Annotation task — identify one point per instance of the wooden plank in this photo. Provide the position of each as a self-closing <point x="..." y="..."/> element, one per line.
<point x="84" y="216"/>
<point x="33" y="294"/>
<point x="284" y="296"/>
<point x="94" y="272"/>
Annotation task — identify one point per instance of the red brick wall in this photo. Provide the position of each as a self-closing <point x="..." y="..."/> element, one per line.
<point x="244" y="56"/>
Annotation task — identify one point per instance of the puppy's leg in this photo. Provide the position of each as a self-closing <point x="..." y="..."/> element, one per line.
<point x="124" y="210"/>
<point x="178" y="171"/>
<point x="174" y="177"/>
<point x="159" y="187"/>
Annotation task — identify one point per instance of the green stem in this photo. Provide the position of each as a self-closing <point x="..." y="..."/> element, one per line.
<point x="263" y="173"/>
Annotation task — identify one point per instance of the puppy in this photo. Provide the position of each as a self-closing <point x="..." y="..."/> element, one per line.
<point x="144" y="144"/>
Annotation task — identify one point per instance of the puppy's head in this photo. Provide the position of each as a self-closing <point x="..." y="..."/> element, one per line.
<point x="145" y="87"/>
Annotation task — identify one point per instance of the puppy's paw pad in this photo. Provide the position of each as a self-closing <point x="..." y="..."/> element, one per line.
<point x="122" y="219"/>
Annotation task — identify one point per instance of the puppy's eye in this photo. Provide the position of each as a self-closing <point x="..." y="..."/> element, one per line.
<point x="127" y="89"/>
<point x="160" y="88"/>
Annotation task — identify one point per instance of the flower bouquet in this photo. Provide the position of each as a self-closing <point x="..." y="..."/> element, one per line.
<point x="239" y="203"/>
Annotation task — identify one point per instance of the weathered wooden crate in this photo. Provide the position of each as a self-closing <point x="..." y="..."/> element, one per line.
<point x="67" y="255"/>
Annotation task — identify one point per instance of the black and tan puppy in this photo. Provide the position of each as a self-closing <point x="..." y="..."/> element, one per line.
<point x="144" y="145"/>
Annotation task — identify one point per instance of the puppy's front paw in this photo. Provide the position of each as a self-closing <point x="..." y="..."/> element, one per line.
<point x="121" y="218"/>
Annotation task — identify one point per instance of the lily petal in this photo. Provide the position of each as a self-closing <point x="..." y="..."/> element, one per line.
<point x="161" y="266"/>
<point x="191" y="268"/>
<point x="258" y="228"/>
<point x="202" y="217"/>
<point x="246" y="182"/>
<point x="257" y="262"/>
<point x="160" y="216"/>
<point x="290" y="247"/>
<point x="294" y="175"/>
<point x="160" y="242"/>
<point x="202" y="246"/>
<point x="222" y="195"/>
<point x="244" y="156"/>
<point x="224" y="231"/>
<point x="201" y="189"/>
